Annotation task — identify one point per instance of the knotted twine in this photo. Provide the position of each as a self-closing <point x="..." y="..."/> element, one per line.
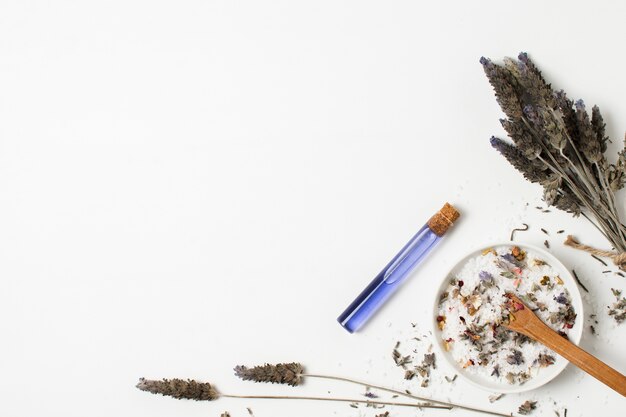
<point x="618" y="258"/>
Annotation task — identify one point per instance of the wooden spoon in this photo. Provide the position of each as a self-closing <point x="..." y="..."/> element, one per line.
<point x="524" y="321"/>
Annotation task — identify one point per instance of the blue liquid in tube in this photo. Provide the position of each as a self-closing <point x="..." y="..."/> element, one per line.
<point x="392" y="276"/>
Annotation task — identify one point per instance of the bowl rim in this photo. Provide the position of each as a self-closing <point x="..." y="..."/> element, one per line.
<point x="575" y="336"/>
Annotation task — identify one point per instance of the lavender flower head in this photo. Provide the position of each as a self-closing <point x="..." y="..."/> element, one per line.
<point x="561" y="299"/>
<point x="485" y="276"/>
<point x="179" y="388"/>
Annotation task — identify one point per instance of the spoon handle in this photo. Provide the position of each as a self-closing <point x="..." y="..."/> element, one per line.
<point x="585" y="361"/>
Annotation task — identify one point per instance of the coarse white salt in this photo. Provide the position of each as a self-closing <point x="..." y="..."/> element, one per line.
<point x="473" y="305"/>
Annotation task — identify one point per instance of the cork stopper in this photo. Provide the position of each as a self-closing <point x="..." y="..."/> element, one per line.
<point x="443" y="219"/>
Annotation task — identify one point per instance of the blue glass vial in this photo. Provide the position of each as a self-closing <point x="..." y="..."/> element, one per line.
<point x="390" y="278"/>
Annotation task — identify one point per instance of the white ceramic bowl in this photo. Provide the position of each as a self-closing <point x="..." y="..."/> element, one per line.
<point x="544" y="375"/>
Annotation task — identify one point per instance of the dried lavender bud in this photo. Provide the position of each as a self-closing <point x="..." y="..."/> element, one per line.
<point x="401" y="360"/>
<point x="569" y="203"/>
<point x="429" y="360"/>
<point x="518" y="160"/>
<point x="552" y="128"/>
<point x="485" y="276"/>
<point x="618" y="309"/>
<point x="534" y="83"/>
<point x="282" y="373"/>
<point x="568" y="114"/>
<point x="616" y="176"/>
<point x="179" y="388"/>
<point x="561" y="299"/>
<point x="451" y="379"/>
<point x="544" y="128"/>
<point x="551" y="189"/>
<point x="504" y="87"/>
<point x="516" y="358"/>
<point x="598" y="125"/>
<point x="510" y="377"/>
<point x="524" y="140"/>
<point x="527" y="407"/>
<point x="590" y="146"/>
<point x="370" y="394"/>
<point x="533" y="116"/>
<point x="545" y="360"/>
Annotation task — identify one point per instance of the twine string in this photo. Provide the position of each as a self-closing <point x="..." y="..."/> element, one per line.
<point x="618" y="258"/>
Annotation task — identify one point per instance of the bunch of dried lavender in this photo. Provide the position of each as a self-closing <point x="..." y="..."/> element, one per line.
<point x="557" y="145"/>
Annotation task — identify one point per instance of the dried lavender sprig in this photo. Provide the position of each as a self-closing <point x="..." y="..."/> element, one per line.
<point x="293" y="374"/>
<point x="203" y="391"/>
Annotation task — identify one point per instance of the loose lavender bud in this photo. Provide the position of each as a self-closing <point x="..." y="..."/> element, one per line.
<point x="561" y="299"/>
<point x="485" y="276"/>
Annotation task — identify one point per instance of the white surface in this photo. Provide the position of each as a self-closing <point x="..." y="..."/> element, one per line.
<point x="190" y="185"/>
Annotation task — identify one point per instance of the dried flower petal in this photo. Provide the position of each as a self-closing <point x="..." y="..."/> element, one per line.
<point x="495" y="397"/>
<point x="469" y="362"/>
<point x="545" y="360"/>
<point x="489" y="250"/>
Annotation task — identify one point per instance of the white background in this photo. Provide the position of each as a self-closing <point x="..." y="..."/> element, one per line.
<point x="190" y="185"/>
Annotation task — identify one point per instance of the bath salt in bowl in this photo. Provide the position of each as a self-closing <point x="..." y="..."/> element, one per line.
<point x="469" y="309"/>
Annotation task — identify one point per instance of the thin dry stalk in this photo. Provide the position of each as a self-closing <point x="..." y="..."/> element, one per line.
<point x="293" y="374"/>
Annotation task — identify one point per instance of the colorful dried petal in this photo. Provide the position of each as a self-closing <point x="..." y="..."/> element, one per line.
<point x="489" y="250"/>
